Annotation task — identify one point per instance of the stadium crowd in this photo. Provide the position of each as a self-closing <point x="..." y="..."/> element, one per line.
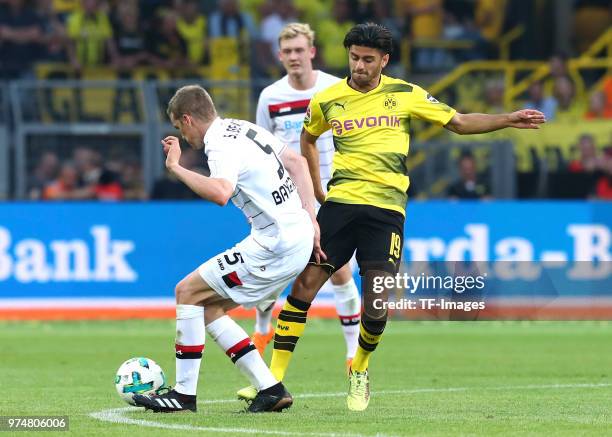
<point x="170" y="34"/>
<point x="178" y="33"/>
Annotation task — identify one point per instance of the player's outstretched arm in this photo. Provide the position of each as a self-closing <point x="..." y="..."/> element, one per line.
<point x="216" y="190"/>
<point x="308" y="146"/>
<point x="465" y="124"/>
<point x="298" y="170"/>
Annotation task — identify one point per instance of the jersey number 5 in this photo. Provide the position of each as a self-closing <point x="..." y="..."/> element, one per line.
<point x="251" y="134"/>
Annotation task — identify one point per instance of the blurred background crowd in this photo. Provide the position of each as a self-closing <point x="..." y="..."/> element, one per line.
<point x="551" y="55"/>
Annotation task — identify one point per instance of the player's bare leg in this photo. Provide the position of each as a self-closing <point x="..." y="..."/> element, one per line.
<point x="348" y="306"/>
<point x="292" y="319"/>
<point x="197" y="301"/>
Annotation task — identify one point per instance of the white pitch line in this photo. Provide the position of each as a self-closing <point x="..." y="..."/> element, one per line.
<point x="429" y="390"/>
<point x="118" y="415"/>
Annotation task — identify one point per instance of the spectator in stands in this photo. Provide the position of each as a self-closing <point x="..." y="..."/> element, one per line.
<point x="381" y="15"/>
<point x="89" y="165"/>
<point x="21" y="35"/>
<point x="65" y="7"/>
<point x="589" y="161"/>
<point x="165" y="46"/>
<point x="192" y="27"/>
<point x="132" y="180"/>
<point x="537" y="100"/>
<point x="330" y="35"/>
<point x="108" y="187"/>
<point x="598" y="107"/>
<point x="54" y="39"/>
<point x="66" y="186"/>
<point x="424" y="19"/>
<point x="228" y="21"/>
<point x="127" y="47"/>
<point x="468" y="186"/>
<point x="89" y="31"/>
<point x="489" y="18"/>
<point x="45" y="172"/>
<point x="559" y="69"/>
<point x="282" y="13"/>
<point x="568" y="109"/>
<point x="591" y="19"/>
<point x="494" y="96"/>
<point x="603" y="188"/>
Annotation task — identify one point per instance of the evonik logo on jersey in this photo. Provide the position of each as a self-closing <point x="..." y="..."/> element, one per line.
<point x="341" y="127"/>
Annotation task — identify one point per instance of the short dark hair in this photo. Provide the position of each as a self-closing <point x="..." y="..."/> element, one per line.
<point x="370" y="35"/>
<point x="192" y="100"/>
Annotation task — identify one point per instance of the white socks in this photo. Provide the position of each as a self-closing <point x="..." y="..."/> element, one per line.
<point x="189" y="345"/>
<point x="238" y="346"/>
<point x="263" y="319"/>
<point x="348" y="306"/>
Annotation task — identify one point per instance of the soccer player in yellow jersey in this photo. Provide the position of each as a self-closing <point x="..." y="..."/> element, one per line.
<point x="369" y="116"/>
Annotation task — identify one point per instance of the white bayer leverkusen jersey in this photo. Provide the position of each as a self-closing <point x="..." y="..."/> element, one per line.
<point x="248" y="157"/>
<point x="281" y="109"/>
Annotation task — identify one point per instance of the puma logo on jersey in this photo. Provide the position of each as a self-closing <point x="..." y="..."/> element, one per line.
<point x="341" y="105"/>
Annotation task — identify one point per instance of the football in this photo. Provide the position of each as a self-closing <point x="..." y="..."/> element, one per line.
<point x="139" y="376"/>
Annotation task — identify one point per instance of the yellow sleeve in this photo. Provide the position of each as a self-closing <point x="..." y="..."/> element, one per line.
<point x="106" y="27"/>
<point x="424" y="106"/>
<point x="73" y="25"/>
<point x="314" y="121"/>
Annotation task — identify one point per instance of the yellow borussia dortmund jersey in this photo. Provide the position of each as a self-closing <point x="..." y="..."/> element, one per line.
<point x="371" y="138"/>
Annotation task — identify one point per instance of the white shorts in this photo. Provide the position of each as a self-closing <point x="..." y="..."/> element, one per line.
<point x="252" y="276"/>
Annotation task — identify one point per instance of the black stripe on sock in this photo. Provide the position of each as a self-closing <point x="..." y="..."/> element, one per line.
<point x="286" y="338"/>
<point x="374" y="327"/>
<point x="284" y="346"/>
<point x="349" y="322"/>
<point x="299" y="304"/>
<point x="367" y="346"/>
<point x="189" y="355"/>
<point x="285" y="342"/>
<point x="242" y="352"/>
<point x="292" y="316"/>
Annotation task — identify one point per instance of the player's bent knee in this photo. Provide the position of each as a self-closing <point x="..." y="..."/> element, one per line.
<point x="185" y="292"/>
<point x="181" y="292"/>
<point x="308" y="283"/>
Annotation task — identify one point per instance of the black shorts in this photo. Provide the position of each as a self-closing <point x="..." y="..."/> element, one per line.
<point x="377" y="234"/>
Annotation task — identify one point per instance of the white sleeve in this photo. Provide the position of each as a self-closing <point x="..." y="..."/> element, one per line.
<point x="262" y="116"/>
<point x="224" y="164"/>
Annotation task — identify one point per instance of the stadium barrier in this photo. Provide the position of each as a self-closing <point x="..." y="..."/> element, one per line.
<point x="92" y="260"/>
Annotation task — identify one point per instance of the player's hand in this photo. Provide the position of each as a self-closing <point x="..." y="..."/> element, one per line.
<point x="316" y="248"/>
<point x="172" y="149"/>
<point x="526" y="119"/>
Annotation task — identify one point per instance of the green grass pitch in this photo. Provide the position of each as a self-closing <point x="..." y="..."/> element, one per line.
<point x="427" y="378"/>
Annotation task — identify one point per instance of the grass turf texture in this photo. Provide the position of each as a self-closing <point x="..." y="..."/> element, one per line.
<point x="506" y="374"/>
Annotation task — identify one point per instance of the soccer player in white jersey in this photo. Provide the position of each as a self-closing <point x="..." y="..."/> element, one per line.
<point x="270" y="183"/>
<point x="281" y="109"/>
